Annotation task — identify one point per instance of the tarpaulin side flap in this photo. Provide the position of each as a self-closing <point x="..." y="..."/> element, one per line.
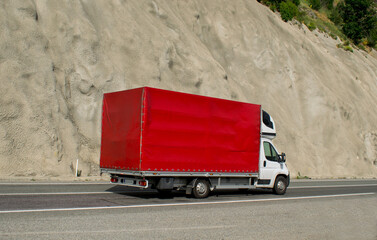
<point x="185" y="132"/>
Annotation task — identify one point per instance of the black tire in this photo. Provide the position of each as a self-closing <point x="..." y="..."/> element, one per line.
<point x="280" y="186"/>
<point x="201" y="189"/>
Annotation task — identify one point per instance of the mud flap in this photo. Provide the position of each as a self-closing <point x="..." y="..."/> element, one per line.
<point x="190" y="186"/>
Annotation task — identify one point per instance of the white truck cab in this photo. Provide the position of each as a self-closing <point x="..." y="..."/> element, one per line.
<point x="273" y="172"/>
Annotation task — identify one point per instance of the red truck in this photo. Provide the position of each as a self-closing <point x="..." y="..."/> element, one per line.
<point x="165" y="140"/>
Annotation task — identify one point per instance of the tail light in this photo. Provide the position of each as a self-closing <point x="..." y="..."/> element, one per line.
<point x="143" y="183"/>
<point x="114" y="180"/>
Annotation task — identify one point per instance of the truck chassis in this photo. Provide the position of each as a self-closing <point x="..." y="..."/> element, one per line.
<point x="199" y="184"/>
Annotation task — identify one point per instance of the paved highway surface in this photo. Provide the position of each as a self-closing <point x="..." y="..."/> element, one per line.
<point x="333" y="209"/>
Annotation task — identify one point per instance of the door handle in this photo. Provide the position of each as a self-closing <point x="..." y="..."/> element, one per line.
<point x="264" y="164"/>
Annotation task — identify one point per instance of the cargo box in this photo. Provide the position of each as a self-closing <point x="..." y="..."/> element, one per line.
<point x="148" y="129"/>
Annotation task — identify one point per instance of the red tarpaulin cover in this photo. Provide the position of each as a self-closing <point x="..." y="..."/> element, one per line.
<point x="150" y="129"/>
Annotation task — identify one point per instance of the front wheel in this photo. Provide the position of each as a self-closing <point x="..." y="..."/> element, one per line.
<point x="201" y="188"/>
<point x="280" y="186"/>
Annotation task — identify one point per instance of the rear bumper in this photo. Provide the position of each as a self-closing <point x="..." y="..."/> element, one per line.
<point x="130" y="181"/>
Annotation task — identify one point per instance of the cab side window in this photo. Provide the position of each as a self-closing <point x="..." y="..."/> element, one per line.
<point x="270" y="152"/>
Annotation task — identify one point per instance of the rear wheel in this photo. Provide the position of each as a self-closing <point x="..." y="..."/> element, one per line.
<point x="201" y="188"/>
<point x="280" y="186"/>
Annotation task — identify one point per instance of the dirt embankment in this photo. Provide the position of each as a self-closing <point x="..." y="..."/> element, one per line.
<point x="57" y="58"/>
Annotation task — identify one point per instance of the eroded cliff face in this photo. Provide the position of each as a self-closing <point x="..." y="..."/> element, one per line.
<point x="57" y="58"/>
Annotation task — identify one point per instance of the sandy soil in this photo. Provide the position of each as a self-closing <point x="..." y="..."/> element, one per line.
<point x="57" y="58"/>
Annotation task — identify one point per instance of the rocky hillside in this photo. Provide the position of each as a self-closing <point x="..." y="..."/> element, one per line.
<point x="57" y="58"/>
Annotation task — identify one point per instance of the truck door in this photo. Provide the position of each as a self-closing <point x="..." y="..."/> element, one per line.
<point x="269" y="164"/>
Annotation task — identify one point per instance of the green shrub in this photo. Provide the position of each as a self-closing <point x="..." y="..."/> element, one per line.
<point x="312" y="26"/>
<point x="265" y="2"/>
<point x="276" y="2"/>
<point x="333" y="36"/>
<point x="302" y="177"/>
<point x="288" y="10"/>
<point x="361" y="46"/>
<point x="273" y="7"/>
<point x="329" y="4"/>
<point x="301" y="16"/>
<point x="315" y="4"/>
<point x="336" y="17"/>
<point x="348" y="48"/>
<point x="372" y="38"/>
<point x="296" y="2"/>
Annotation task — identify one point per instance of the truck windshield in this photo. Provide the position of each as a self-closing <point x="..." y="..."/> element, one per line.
<point x="270" y="152"/>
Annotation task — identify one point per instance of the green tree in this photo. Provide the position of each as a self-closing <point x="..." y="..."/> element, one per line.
<point x="359" y="18"/>
<point x="288" y="10"/>
<point x="336" y="15"/>
<point x="315" y="4"/>
<point x="372" y="38"/>
<point x="296" y="2"/>
<point x="328" y="3"/>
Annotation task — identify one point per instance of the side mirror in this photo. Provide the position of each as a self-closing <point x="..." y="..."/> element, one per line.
<point x="282" y="157"/>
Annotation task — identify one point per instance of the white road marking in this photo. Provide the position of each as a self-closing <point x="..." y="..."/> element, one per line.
<point x="333" y="186"/>
<point x="57" y="193"/>
<point x="108" y="192"/>
<point x="120" y="230"/>
<point x="56" y="183"/>
<point x="185" y="204"/>
<point x="332" y="180"/>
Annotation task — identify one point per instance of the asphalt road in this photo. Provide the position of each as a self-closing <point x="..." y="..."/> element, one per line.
<point x="341" y="209"/>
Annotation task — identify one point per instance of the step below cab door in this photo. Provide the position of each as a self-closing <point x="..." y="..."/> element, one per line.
<point x="269" y="165"/>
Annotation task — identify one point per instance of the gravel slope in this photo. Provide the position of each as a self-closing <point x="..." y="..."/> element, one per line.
<point x="57" y="58"/>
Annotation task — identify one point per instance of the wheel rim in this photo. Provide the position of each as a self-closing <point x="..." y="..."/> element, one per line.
<point x="201" y="188"/>
<point x="281" y="185"/>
